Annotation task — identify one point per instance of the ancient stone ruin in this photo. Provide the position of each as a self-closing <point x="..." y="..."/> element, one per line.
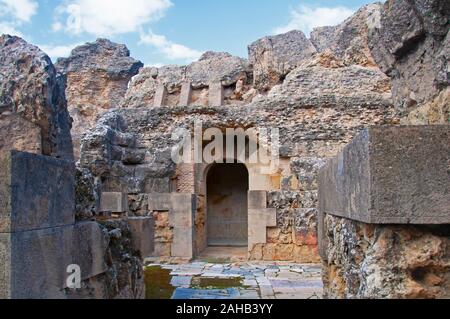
<point x="359" y="182"/>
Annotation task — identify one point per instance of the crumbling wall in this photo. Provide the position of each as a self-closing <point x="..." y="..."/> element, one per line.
<point x="391" y="261"/>
<point x="163" y="86"/>
<point x="274" y="57"/>
<point x="123" y="276"/>
<point x="349" y="41"/>
<point x="319" y="96"/>
<point x="33" y="110"/>
<point x="314" y="124"/>
<point x="97" y="76"/>
<point x="49" y="211"/>
<point x="410" y="42"/>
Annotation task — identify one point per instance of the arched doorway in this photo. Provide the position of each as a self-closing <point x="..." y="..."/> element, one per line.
<point x="227" y="216"/>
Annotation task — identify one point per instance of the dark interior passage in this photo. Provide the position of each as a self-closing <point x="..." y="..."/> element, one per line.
<point x="227" y="218"/>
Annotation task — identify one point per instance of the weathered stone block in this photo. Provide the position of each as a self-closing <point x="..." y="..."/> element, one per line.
<point x="182" y="218"/>
<point x="271" y="217"/>
<point x="181" y="208"/>
<point x="257" y="227"/>
<point x="35" y="192"/>
<point x="19" y="134"/>
<point x="186" y="94"/>
<point x="182" y="243"/>
<point x="89" y="246"/>
<point x="257" y="199"/>
<point x="216" y="94"/>
<point x="114" y="202"/>
<point x="35" y="262"/>
<point x="322" y="241"/>
<point x="159" y="202"/>
<point x="390" y="175"/>
<point x="259" y="218"/>
<point x="160" y="96"/>
<point x="143" y="235"/>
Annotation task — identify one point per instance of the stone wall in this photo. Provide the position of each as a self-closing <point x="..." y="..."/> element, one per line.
<point x="318" y="107"/>
<point x="384" y="215"/>
<point x="49" y="210"/>
<point x="318" y="92"/>
<point x="217" y="78"/>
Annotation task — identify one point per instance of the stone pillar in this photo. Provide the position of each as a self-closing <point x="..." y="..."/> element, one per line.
<point x="181" y="208"/>
<point x="186" y="94"/>
<point x="216" y="94"/>
<point x="38" y="235"/>
<point x="160" y="96"/>
<point x="259" y="218"/>
<point x="388" y="195"/>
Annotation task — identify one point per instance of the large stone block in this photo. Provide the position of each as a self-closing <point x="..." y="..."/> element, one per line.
<point x="216" y="94"/>
<point x="182" y="245"/>
<point x="186" y="94"/>
<point x="159" y="202"/>
<point x="390" y="175"/>
<point x="160" y="96"/>
<point x="35" y="263"/>
<point x="114" y="202"/>
<point x="36" y="192"/>
<point x="257" y="199"/>
<point x="143" y="235"/>
<point x="259" y="218"/>
<point x="89" y="246"/>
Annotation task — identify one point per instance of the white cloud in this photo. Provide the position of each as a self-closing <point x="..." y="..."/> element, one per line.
<point x="21" y="10"/>
<point x="307" y="18"/>
<point x="13" y="13"/>
<point x="58" y="51"/>
<point x="7" y="28"/>
<point x="57" y="26"/>
<point x="108" y="17"/>
<point x="173" y="51"/>
<point x="154" y="65"/>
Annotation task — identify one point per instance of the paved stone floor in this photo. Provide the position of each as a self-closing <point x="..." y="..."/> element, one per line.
<point x="243" y="280"/>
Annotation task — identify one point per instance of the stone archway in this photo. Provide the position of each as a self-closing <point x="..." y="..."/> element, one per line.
<point x="226" y="201"/>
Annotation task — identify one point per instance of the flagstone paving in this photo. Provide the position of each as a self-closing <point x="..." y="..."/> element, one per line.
<point x="243" y="280"/>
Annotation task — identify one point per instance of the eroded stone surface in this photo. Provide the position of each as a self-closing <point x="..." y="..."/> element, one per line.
<point x="410" y="42"/>
<point x="36" y="192"/>
<point x="371" y="261"/>
<point x="97" y="76"/>
<point x="275" y="56"/>
<point x="212" y="67"/>
<point x="349" y="40"/>
<point x="33" y="110"/>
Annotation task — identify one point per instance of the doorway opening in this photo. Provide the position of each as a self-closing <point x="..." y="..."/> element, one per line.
<point x="227" y="215"/>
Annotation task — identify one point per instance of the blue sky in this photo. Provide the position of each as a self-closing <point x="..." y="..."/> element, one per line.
<point x="161" y="32"/>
